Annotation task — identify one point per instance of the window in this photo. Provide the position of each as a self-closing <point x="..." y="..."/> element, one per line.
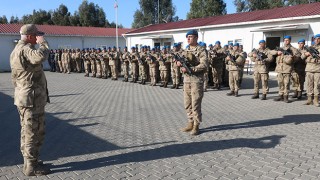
<point x="238" y="41"/>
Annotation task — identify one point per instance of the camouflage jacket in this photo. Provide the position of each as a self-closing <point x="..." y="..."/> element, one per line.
<point x="27" y="74"/>
<point x="285" y="62"/>
<point x="261" y="66"/>
<point x="313" y="64"/>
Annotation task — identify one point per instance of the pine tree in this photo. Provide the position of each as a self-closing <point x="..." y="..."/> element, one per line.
<point x="205" y="8"/>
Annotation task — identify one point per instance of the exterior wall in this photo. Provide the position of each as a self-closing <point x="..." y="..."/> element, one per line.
<point x="8" y="43"/>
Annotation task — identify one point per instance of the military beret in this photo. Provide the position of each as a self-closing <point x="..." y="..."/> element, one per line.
<point x="217" y="42"/>
<point x="109" y="47"/>
<point x="187" y="46"/>
<point x="317" y="36"/>
<point x="301" y="41"/>
<point x="192" y="32"/>
<point x="226" y="45"/>
<point x="230" y="44"/>
<point x="133" y="47"/>
<point x="87" y="49"/>
<point x="30" y="29"/>
<point x="175" y="45"/>
<point x="148" y="46"/>
<point x="99" y="49"/>
<point x="168" y="47"/>
<point x="287" y="37"/>
<point x="204" y="44"/>
<point x="236" y="44"/>
<point x="114" y="47"/>
<point x="262" y="41"/>
<point x="163" y="48"/>
<point x="312" y="43"/>
<point x="153" y="49"/>
<point x="104" y="48"/>
<point x="125" y="47"/>
<point x="210" y="45"/>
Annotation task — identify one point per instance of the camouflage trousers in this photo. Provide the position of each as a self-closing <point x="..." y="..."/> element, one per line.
<point x="78" y="65"/>
<point x="205" y="80"/>
<point x="164" y="76"/>
<point x="142" y="72"/>
<point x="99" y="69"/>
<point x="313" y="83"/>
<point x="66" y="66"/>
<point x="284" y="83"/>
<point x="264" y="78"/>
<point x="240" y="75"/>
<point x="87" y="66"/>
<point x="60" y="66"/>
<point x="217" y="75"/>
<point x="234" y="80"/>
<point x="114" y="71"/>
<point x="93" y="67"/>
<point x="176" y="75"/>
<point x="298" y="79"/>
<point x="134" y="70"/>
<point x="153" y="77"/>
<point x="193" y="94"/>
<point x="32" y="122"/>
<point x="125" y="68"/>
<point x="103" y="69"/>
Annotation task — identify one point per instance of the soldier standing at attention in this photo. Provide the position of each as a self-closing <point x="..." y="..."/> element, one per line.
<point x="134" y="64"/>
<point x="163" y="67"/>
<point x="298" y="74"/>
<point x="113" y="62"/>
<point x="104" y="69"/>
<point x="234" y="61"/>
<point x="151" y="59"/>
<point x="261" y="57"/>
<point x="125" y="63"/>
<point x="193" y="84"/>
<point x="175" y="69"/>
<point x="31" y="95"/>
<point x="87" y="62"/>
<point x="78" y="60"/>
<point x="244" y="55"/>
<point x="58" y="61"/>
<point x="68" y="61"/>
<point x="284" y="68"/>
<point x="217" y="64"/>
<point x="142" y="65"/>
<point x="99" y="58"/>
<point x="313" y="74"/>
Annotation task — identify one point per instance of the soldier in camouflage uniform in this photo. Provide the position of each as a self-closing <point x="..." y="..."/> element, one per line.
<point x="142" y="65"/>
<point x="164" y="64"/>
<point x="151" y="60"/>
<point x="30" y="95"/>
<point x="92" y="58"/>
<point x="58" y="61"/>
<point x="125" y="64"/>
<point x="134" y="56"/>
<point x="113" y="62"/>
<point x="298" y="73"/>
<point x="104" y="62"/>
<point x="193" y="83"/>
<point x="98" y="58"/>
<point x="234" y="60"/>
<point x="284" y="68"/>
<point x="78" y="60"/>
<point x="206" y="75"/>
<point x="87" y="63"/>
<point x="216" y="56"/>
<point x="313" y="73"/>
<point x="261" y="58"/>
<point x="175" y="69"/>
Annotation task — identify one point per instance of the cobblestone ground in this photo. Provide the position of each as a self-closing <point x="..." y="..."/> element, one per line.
<point x="103" y="129"/>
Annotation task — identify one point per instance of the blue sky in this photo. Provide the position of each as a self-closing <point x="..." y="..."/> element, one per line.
<point x="125" y="11"/>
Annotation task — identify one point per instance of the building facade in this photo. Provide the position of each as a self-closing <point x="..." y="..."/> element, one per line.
<point x="59" y="37"/>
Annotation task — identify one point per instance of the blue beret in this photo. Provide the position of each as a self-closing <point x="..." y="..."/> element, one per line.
<point x="153" y="49"/>
<point x="287" y="37"/>
<point x="104" y="48"/>
<point x="217" y="42"/>
<point x="204" y="44"/>
<point x="163" y="48"/>
<point x="148" y="46"/>
<point x="236" y="44"/>
<point x="109" y="47"/>
<point x="226" y="45"/>
<point x="187" y="46"/>
<point x="192" y="32"/>
<point x="317" y="36"/>
<point x="210" y="45"/>
<point x="175" y="45"/>
<point x="312" y="43"/>
<point x="167" y="47"/>
<point x="301" y="41"/>
<point x="133" y="47"/>
<point x="99" y="49"/>
<point x="262" y="41"/>
<point x="125" y="47"/>
<point x="114" y="47"/>
<point x="230" y="44"/>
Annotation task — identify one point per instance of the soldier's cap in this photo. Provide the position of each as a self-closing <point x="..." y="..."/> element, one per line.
<point x="226" y="45"/>
<point x="175" y="45"/>
<point x="231" y="44"/>
<point x="237" y="44"/>
<point x="168" y="47"/>
<point x="192" y="32"/>
<point x="99" y="49"/>
<point x="153" y="49"/>
<point x="163" y="48"/>
<point x="179" y="43"/>
<point x="317" y="36"/>
<point x="104" y="48"/>
<point x="210" y="45"/>
<point x="217" y="42"/>
<point x="114" y="47"/>
<point x="312" y="43"/>
<point x="109" y="47"/>
<point x="133" y="47"/>
<point x="301" y="41"/>
<point x="204" y="44"/>
<point x="262" y="41"/>
<point x="148" y="46"/>
<point x="287" y="37"/>
<point x="125" y="47"/>
<point x="30" y="29"/>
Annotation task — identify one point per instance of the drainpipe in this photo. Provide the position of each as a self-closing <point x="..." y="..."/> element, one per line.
<point x="202" y="34"/>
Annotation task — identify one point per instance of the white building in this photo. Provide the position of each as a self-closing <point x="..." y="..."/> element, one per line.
<point x="59" y="37"/>
<point x="248" y="28"/>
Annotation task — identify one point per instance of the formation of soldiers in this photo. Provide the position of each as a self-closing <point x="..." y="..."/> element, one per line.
<point x="225" y="66"/>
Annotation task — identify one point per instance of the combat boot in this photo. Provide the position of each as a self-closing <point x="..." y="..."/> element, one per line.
<point x="264" y="97"/>
<point x="218" y="87"/>
<point x="214" y="86"/>
<point x="195" y="130"/>
<point x="173" y="86"/>
<point x="280" y="98"/>
<point x="286" y="99"/>
<point x="316" y="101"/>
<point x="236" y="94"/>
<point x="165" y="85"/>
<point x="86" y="75"/>
<point x="94" y="75"/>
<point x="33" y="168"/>
<point x="231" y="93"/>
<point x="309" y="101"/>
<point x="162" y="84"/>
<point x="132" y="81"/>
<point x="143" y="82"/>
<point x="177" y="86"/>
<point x="299" y="96"/>
<point x="295" y="94"/>
<point x="255" y="96"/>
<point x="188" y="128"/>
<point x="104" y="77"/>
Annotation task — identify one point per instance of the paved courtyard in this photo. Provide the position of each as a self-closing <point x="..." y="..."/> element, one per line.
<point x="103" y="129"/>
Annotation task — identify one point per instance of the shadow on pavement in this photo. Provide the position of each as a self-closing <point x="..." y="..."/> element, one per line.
<point x="61" y="95"/>
<point x="173" y="150"/>
<point x="290" y="119"/>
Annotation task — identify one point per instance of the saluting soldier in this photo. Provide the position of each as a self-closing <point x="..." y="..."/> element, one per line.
<point x="284" y="60"/>
<point x="234" y="60"/>
<point x="193" y="83"/>
<point x="298" y="73"/>
<point x="125" y="64"/>
<point x="313" y="73"/>
<point x="261" y="58"/>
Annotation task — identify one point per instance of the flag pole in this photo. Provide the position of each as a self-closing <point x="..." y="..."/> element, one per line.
<point x="116" y="6"/>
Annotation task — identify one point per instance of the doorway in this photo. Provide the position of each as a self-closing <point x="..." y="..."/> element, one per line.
<point x="272" y="43"/>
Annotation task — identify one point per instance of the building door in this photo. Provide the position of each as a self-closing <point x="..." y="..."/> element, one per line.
<point x="272" y="43"/>
<point x="156" y="44"/>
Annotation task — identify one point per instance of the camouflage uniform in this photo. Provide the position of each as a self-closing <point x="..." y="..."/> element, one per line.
<point x="175" y="71"/>
<point x="142" y="67"/>
<point x="134" y="66"/>
<point x="164" y="64"/>
<point x="313" y="77"/>
<point x="113" y="62"/>
<point x="78" y="60"/>
<point x="92" y="58"/>
<point x="58" y="61"/>
<point x="151" y="59"/>
<point x="125" y="65"/>
<point x="234" y="68"/>
<point x="298" y="74"/>
<point x="87" y="63"/>
<point x="217" y="63"/>
<point x="104" y="63"/>
<point x="30" y="97"/>
<point x="99" y="58"/>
